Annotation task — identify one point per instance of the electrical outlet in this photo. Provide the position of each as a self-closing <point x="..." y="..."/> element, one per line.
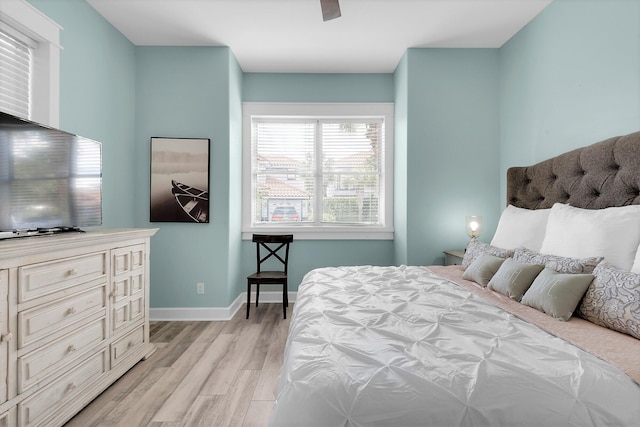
<point x="200" y="288"/>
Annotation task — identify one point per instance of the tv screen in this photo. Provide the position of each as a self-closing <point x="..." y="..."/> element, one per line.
<point x="49" y="179"/>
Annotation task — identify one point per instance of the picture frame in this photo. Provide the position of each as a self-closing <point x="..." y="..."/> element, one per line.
<point x="179" y="170"/>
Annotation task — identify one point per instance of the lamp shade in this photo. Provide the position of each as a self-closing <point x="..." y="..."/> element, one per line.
<point x="474" y="226"/>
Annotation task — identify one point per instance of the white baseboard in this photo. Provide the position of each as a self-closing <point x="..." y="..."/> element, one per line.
<point x="215" y="313"/>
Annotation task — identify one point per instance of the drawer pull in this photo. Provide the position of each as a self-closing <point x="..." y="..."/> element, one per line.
<point x="70" y="386"/>
<point x="73" y="272"/>
<point x="71" y="348"/>
<point x="71" y="310"/>
<point x="6" y="337"/>
<point x="131" y="344"/>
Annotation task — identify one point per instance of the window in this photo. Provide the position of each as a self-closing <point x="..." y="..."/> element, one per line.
<point x="15" y="71"/>
<point x="322" y="171"/>
<point x="29" y="63"/>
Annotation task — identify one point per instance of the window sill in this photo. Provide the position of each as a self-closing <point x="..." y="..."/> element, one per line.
<point x="322" y="233"/>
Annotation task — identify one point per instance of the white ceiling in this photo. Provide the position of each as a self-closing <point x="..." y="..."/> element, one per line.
<point x="289" y="35"/>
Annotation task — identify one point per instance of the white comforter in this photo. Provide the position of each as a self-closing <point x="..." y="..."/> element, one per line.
<point x="400" y="346"/>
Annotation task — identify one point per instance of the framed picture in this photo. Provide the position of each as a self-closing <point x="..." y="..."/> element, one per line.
<point x="179" y="180"/>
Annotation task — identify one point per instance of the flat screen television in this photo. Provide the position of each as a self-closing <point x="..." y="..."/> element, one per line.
<point x="50" y="180"/>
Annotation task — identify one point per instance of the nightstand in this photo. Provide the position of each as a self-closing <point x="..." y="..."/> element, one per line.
<point x="453" y="257"/>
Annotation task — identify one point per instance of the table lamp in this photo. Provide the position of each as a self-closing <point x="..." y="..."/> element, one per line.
<point x="474" y="226"/>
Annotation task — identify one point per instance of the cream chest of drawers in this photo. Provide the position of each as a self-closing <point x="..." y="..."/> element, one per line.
<point x="74" y="318"/>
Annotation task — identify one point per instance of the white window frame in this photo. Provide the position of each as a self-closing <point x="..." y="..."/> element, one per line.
<point x="45" y="83"/>
<point x="303" y="231"/>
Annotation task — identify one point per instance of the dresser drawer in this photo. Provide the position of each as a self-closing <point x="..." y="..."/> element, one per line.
<point x="47" y="319"/>
<point x="36" y="365"/>
<point x="36" y="280"/>
<point x="124" y="346"/>
<point x="37" y="407"/>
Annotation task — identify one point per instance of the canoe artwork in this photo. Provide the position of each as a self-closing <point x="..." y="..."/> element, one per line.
<point x="193" y="201"/>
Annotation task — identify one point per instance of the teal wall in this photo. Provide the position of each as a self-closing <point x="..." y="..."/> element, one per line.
<point x="400" y="149"/>
<point x="452" y="148"/>
<point x="186" y="92"/>
<point x="235" y="262"/>
<point x="568" y="79"/>
<point x="97" y="97"/>
<point x="276" y="87"/>
<point x="462" y="116"/>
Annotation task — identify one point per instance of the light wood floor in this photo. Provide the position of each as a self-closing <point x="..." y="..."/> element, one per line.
<point x="202" y="374"/>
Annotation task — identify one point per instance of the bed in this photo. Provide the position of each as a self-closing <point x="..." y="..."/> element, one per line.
<point x="540" y="326"/>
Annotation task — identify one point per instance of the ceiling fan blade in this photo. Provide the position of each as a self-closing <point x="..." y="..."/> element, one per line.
<point x="330" y="9"/>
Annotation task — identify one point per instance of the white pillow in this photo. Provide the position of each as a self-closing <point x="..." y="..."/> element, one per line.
<point x="520" y="227"/>
<point x="635" y="268"/>
<point x="613" y="233"/>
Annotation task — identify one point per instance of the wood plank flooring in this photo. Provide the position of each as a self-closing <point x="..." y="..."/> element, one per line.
<point x="201" y="374"/>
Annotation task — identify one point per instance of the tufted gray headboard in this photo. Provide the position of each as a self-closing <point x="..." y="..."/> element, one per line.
<point x="598" y="176"/>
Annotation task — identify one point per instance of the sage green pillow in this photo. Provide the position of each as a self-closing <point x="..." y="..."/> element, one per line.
<point x="557" y="294"/>
<point x="482" y="269"/>
<point x="513" y="278"/>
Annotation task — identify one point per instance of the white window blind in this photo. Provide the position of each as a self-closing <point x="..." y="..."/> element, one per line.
<point x="15" y="71"/>
<point x="352" y="170"/>
<point x="318" y="170"/>
<point x="283" y="165"/>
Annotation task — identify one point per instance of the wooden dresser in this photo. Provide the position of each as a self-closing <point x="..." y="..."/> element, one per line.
<point x="74" y="317"/>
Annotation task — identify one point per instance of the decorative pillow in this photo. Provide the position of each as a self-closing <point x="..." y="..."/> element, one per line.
<point x="613" y="300"/>
<point x="557" y="294"/>
<point x="557" y="263"/>
<point x="513" y="278"/>
<point x="482" y="269"/>
<point x="521" y="227"/>
<point x="476" y="247"/>
<point x="612" y="233"/>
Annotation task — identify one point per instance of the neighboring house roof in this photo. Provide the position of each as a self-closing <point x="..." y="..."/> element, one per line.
<point x="277" y="160"/>
<point x="274" y="187"/>
<point x="356" y="160"/>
